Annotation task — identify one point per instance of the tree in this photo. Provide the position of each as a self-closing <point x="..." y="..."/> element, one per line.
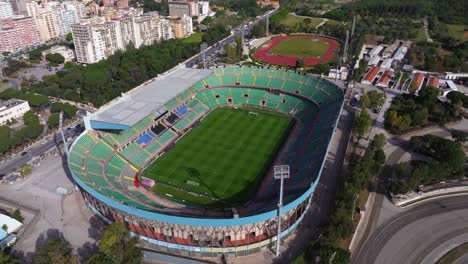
<point x="335" y="255"/>
<point x="376" y="99"/>
<point x="117" y="246"/>
<point x="53" y="121"/>
<point x="69" y="110"/>
<point x="299" y="63"/>
<point x="363" y="123"/>
<point x="57" y="250"/>
<point x="25" y="170"/>
<point x="258" y="31"/>
<point x="17" y="215"/>
<point x="379" y="141"/>
<point x="364" y="101"/>
<point x="55" y="58"/>
<point x="427" y="96"/>
<point x="239" y="48"/>
<point x="230" y="53"/>
<point x="35" y="55"/>
<point x="458" y="97"/>
<point x="8" y="259"/>
<point x="413" y="87"/>
<point x="5" y="227"/>
<point x="420" y="116"/>
<point x="459" y="135"/>
<point x="69" y="37"/>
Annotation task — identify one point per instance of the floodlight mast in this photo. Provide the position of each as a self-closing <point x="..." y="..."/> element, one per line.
<point x="280" y="172"/>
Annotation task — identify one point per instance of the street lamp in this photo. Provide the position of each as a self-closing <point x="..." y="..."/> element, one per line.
<point x="280" y="172"/>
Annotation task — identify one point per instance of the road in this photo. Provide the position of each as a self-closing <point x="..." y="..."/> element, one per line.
<point x="410" y="236"/>
<point x="37" y="149"/>
<point x="219" y="46"/>
<point x="366" y="245"/>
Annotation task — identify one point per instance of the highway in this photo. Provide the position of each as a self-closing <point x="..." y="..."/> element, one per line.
<point x="413" y="233"/>
<point x="231" y="38"/>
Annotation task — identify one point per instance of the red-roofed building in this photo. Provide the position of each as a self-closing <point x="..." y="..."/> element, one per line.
<point x="433" y="81"/>
<point x="385" y="78"/>
<point x="418" y="79"/>
<point x="371" y="74"/>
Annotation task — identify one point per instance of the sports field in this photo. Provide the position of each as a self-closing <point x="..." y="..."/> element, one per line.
<point x="222" y="160"/>
<point x="285" y="50"/>
<point x="301" y="47"/>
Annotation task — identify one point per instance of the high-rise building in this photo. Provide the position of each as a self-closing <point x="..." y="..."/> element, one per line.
<point x="18" y="33"/>
<point x="47" y="25"/>
<point x="6" y="11"/>
<point x="148" y="27"/>
<point x="99" y="37"/>
<point x="203" y="8"/>
<point x="180" y="8"/>
<point x="96" y="40"/>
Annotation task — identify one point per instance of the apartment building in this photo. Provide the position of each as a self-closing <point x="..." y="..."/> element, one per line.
<point x="148" y="28"/>
<point x="55" y="18"/>
<point x="12" y="109"/>
<point x="18" y="33"/>
<point x="182" y="26"/>
<point x="181" y="8"/>
<point x="6" y="10"/>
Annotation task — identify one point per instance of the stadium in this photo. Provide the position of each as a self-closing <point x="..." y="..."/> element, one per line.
<point x="186" y="159"/>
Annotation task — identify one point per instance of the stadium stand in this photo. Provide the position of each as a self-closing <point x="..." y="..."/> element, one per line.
<point x="102" y="159"/>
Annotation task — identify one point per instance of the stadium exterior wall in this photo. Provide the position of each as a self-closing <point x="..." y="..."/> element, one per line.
<point x="112" y="210"/>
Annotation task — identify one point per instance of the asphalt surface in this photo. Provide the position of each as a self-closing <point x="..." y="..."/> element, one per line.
<point x="219" y="46"/>
<point x="410" y="236"/>
<point x="37" y="149"/>
<point x="379" y="243"/>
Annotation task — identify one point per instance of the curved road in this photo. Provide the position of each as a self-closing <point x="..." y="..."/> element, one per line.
<point x="411" y="235"/>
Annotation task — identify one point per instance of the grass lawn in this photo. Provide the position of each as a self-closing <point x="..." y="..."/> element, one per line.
<point x="301" y="47"/>
<point x="457" y="32"/>
<point x="292" y="20"/>
<point x="421" y="35"/>
<point x="222" y="160"/>
<point x="194" y="38"/>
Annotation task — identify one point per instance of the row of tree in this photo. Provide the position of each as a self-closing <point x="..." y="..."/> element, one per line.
<point x="340" y="225"/>
<point x="447" y="161"/>
<point x="115" y="247"/>
<point x="34" y="100"/>
<point x="31" y="130"/>
<point x="107" y="79"/>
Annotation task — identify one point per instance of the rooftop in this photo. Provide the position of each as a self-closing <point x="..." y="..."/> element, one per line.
<point x="148" y="97"/>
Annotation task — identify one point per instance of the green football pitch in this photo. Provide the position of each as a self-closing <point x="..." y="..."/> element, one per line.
<point x="222" y="160"/>
<point x="301" y="47"/>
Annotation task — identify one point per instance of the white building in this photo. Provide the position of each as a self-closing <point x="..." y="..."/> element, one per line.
<point x="203" y="8"/>
<point x="375" y="51"/>
<point x="386" y="64"/>
<point x="340" y="74"/>
<point x="67" y="53"/>
<point x="12" y="109"/>
<point x="374" y="61"/>
<point x="6" y="11"/>
<point x="400" y="53"/>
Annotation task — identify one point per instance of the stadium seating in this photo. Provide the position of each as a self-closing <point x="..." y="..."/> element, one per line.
<point x="98" y="158"/>
<point x="100" y="150"/>
<point x="182" y="110"/>
<point x="130" y="150"/>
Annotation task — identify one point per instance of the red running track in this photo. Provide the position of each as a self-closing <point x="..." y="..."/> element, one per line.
<point x="263" y="53"/>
